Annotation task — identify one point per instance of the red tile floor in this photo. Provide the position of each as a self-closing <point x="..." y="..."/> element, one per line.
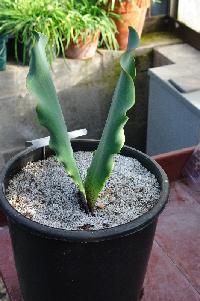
<point x="174" y="268"/>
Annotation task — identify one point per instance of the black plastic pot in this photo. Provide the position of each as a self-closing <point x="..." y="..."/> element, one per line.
<point x="103" y="265"/>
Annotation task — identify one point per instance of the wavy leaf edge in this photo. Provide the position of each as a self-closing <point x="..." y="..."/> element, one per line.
<point x="103" y="161"/>
<point x="40" y="84"/>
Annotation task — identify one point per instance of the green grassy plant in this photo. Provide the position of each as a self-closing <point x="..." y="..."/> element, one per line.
<point x="21" y="17"/>
<point x="62" y="21"/>
<point x="85" y="18"/>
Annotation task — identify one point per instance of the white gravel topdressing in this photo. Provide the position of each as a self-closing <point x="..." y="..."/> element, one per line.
<point x="43" y="192"/>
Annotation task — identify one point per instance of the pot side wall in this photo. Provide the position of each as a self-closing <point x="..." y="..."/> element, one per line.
<point x="79" y="265"/>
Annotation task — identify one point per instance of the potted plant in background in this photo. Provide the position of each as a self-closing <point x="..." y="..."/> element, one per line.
<point x="86" y="23"/>
<point x="72" y="27"/>
<point x="21" y="17"/>
<point x="91" y="256"/>
<point x="132" y="13"/>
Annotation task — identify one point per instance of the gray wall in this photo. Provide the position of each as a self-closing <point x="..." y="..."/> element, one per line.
<point x="174" y="99"/>
<point x="85" y="89"/>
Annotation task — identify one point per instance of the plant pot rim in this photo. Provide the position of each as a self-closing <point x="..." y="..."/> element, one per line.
<point x="125" y="7"/>
<point x="80" y="235"/>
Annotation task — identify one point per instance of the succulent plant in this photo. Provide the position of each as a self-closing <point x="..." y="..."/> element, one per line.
<point x="40" y="84"/>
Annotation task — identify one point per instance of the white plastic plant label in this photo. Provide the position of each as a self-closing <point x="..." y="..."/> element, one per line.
<point x="45" y="141"/>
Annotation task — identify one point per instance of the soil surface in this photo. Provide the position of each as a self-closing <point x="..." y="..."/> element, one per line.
<point x="44" y="193"/>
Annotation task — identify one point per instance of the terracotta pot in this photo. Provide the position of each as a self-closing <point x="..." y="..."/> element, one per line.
<point x="83" y="49"/>
<point x="173" y="162"/>
<point x="132" y="14"/>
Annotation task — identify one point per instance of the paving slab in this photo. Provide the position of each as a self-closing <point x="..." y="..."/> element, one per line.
<point x="164" y="281"/>
<point x="179" y="231"/>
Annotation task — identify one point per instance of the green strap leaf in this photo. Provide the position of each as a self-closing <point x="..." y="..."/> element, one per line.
<point x="113" y="138"/>
<point x="40" y="84"/>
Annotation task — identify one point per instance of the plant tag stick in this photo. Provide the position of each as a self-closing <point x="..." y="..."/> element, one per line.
<point x="45" y="141"/>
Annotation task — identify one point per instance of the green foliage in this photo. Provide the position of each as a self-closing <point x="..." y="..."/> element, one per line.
<point x="113" y="138"/>
<point x="21" y="17"/>
<point x="86" y="18"/>
<point x="62" y="21"/>
<point x="40" y="84"/>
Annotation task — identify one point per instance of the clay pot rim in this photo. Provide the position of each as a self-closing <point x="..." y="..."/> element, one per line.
<point x="125" y="7"/>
